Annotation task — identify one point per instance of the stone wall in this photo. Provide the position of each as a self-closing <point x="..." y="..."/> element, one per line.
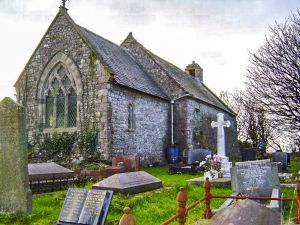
<point x="149" y="138"/>
<point x="62" y="43"/>
<point x="192" y="117"/>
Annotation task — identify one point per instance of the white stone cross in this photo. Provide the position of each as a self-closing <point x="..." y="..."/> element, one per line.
<point x="220" y="124"/>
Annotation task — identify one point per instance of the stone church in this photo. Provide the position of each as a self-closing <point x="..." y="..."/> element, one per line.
<point x="140" y="103"/>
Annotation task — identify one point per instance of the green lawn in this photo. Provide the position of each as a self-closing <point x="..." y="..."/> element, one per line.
<point x="148" y="208"/>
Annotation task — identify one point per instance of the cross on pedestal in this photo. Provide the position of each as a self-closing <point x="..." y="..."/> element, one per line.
<point x="220" y="124"/>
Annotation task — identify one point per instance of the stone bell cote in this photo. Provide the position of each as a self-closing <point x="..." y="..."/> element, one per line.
<point x="195" y="71"/>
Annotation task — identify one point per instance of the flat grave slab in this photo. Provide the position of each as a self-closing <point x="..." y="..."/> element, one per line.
<point x="85" y="207"/>
<point x="246" y="212"/>
<point x="40" y="171"/>
<point x="129" y="183"/>
<point x="220" y="182"/>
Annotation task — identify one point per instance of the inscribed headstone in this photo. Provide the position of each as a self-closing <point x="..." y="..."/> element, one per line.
<point x="15" y="194"/>
<point x="88" y="207"/>
<point x="129" y="183"/>
<point x="259" y="177"/>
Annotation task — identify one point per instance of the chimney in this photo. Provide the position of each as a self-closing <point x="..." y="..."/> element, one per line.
<point x="195" y="71"/>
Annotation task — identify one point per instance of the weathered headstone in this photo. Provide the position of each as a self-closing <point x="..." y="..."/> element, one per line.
<point x="129" y="183"/>
<point x="246" y="212"/>
<point x="197" y="155"/>
<point x="248" y="154"/>
<point x="131" y="162"/>
<point x="254" y="177"/>
<point x="281" y="157"/>
<point x="15" y="195"/>
<point x="88" y="207"/>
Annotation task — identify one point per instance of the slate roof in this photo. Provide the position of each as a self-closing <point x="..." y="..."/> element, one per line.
<point x="190" y="85"/>
<point x="185" y="81"/>
<point x="126" y="71"/>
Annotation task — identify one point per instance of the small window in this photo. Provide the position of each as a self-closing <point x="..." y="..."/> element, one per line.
<point x="192" y="72"/>
<point x="130" y="117"/>
<point x="197" y="114"/>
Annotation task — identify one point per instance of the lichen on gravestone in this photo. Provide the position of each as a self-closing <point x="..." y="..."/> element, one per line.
<point x="15" y="194"/>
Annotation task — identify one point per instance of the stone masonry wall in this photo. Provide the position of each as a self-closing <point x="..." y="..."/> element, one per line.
<point x="63" y="37"/>
<point x="198" y="119"/>
<point x="149" y="138"/>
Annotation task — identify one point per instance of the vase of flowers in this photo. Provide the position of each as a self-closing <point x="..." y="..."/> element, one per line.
<point x="212" y="166"/>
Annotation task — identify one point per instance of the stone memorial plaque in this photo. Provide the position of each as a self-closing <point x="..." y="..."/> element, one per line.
<point x="260" y="176"/>
<point x="197" y="155"/>
<point x="129" y="183"/>
<point x="85" y="207"/>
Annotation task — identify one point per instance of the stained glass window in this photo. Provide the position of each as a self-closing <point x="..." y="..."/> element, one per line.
<point x="49" y="111"/>
<point x="60" y="109"/>
<point x="72" y="109"/>
<point x="60" y="99"/>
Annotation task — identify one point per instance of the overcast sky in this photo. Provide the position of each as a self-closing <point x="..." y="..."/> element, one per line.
<point x="217" y="34"/>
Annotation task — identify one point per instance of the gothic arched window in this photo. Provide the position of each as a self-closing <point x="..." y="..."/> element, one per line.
<point x="60" y="99"/>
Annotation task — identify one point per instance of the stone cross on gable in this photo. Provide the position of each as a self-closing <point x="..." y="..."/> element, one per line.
<point x="220" y="124"/>
<point x="64" y="3"/>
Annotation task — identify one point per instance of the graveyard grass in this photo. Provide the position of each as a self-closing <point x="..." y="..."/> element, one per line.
<point x="149" y="208"/>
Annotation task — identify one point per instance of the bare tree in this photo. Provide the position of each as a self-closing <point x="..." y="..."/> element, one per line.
<point x="273" y="79"/>
<point x="253" y="126"/>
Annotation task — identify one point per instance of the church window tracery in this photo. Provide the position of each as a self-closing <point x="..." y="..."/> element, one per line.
<point x="60" y="98"/>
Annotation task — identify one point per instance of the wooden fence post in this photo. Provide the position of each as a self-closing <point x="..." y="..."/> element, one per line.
<point x="127" y="218"/>
<point x="297" y="203"/>
<point x="207" y="214"/>
<point x="181" y="209"/>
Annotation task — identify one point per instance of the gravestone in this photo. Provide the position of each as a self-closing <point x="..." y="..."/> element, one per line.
<point x="248" y="154"/>
<point x="246" y="212"/>
<point x="15" y="195"/>
<point x="131" y="162"/>
<point x="281" y="157"/>
<point x="88" y="207"/>
<point x="129" y="183"/>
<point x="256" y="178"/>
<point x="46" y="171"/>
<point x="220" y="124"/>
<point x="197" y="155"/>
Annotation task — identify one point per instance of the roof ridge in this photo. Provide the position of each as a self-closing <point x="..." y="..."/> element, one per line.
<point x="98" y="35"/>
<point x="152" y="56"/>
